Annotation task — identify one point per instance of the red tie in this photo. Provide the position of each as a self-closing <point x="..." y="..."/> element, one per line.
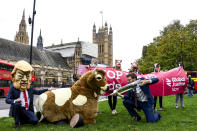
<point x="25" y="97"/>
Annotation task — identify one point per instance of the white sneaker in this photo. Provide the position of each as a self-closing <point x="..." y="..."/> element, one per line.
<point x="161" y="109"/>
<point x="114" y="112"/>
<point x="176" y="107"/>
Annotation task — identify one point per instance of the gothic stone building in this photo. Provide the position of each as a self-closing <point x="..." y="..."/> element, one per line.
<point x="76" y="53"/>
<point x="104" y="39"/>
<point x="50" y="67"/>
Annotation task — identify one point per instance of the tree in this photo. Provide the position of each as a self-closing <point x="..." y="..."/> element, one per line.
<point x="166" y="48"/>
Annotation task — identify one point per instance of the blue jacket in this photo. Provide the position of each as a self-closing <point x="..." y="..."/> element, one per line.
<point x="14" y="93"/>
<point x="145" y="89"/>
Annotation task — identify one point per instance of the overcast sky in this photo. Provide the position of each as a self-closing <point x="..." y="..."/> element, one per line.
<point x="134" y="22"/>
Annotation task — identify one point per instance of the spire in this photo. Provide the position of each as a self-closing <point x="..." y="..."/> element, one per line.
<point x="106" y="27"/>
<point x="40" y="32"/>
<point x="23" y="17"/>
<point x="22" y="35"/>
<point x="40" y="42"/>
<point x="105" y="24"/>
<point x="110" y="30"/>
<point x="94" y="28"/>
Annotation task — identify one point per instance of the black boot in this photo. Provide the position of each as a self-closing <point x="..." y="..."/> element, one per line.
<point x="160" y="117"/>
<point x="16" y="126"/>
<point x="137" y="118"/>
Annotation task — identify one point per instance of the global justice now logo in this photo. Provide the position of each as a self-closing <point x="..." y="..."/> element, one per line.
<point x="175" y="82"/>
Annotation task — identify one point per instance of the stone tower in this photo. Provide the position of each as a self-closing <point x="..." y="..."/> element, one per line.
<point x="104" y="39"/>
<point x="21" y="35"/>
<point x="40" y="42"/>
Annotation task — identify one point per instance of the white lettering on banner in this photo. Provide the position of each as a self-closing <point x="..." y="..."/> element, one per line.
<point x="179" y="84"/>
<point x="174" y="79"/>
<point x="168" y="82"/>
<point x="175" y="89"/>
<point x="175" y="82"/>
<point x="113" y="86"/>
<point x="114" y="75"/>
<point x="149" y="76"/>
<point x="119" y="73"/>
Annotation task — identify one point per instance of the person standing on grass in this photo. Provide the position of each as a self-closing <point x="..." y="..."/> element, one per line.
<point x="190" y="86"/>
<point x="112" y="100"/>
<point x="181" y="95"/>
<point x="140" y="98"/>
<point x="157" y="69"/>
<point x="20" y="95"/>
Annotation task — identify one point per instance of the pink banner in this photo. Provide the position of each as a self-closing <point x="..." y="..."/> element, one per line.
<point x="81" y="69"/>
<point x="170" y="82"/>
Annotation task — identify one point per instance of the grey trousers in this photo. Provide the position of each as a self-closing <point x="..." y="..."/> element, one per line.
<point x="181" y="95"/>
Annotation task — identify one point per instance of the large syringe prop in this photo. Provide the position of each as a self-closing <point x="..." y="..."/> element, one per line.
<point x="126" y="88"/>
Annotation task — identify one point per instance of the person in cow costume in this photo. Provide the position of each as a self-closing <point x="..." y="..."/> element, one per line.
<point x="78" y="104"/>
<point x="20" y="95"/>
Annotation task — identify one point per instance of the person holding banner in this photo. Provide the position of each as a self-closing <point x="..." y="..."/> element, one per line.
<point x="94" y="62"/>
<point x="157" y="69"/>
<point x="181" y="95"/>
<point x="140" y="98"/>
<point x="134" y="68"/>
<point x="112" y="100"/>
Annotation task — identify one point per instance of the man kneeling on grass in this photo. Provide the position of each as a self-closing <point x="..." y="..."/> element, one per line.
<point x="140" y="98"/>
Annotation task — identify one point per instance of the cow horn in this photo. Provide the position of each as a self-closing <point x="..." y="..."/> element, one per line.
<point x="94" y="71"/>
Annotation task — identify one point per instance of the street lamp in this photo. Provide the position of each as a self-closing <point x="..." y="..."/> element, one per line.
<point x="32" y="29"/>
<point x="181" y="39"/>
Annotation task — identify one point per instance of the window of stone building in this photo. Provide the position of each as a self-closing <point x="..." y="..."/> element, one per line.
<point x="102" y="48"/>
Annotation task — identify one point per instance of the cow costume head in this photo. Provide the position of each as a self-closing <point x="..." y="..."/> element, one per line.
<point x="22" y="75"/>
<point x="81" y="98"/>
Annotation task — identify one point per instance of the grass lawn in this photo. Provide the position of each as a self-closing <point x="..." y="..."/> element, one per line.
<point x="172" y="119"/>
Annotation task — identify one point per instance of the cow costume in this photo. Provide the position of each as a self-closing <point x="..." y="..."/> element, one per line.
<point x="81" y="100"/>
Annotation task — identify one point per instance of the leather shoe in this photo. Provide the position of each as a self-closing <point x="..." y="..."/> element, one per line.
<point x="137" y="118"/>
<point x="16" y="126"/>
<point x="159" y="117"/>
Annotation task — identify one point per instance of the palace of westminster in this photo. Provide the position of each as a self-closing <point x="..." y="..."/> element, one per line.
<point x="57" y="63"/>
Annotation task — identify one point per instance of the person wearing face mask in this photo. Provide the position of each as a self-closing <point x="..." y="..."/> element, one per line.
<point x="20" y="95"/>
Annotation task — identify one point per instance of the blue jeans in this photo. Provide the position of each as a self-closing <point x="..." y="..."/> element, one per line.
<point x="145" y="106"/>
<point x="189" y="92"/>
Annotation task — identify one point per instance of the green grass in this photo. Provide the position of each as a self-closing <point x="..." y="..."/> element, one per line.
<point x="172" y="119"/>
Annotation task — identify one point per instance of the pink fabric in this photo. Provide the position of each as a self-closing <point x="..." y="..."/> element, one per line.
<point x="81" y="69"/>
<point x="170" y="82"/>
